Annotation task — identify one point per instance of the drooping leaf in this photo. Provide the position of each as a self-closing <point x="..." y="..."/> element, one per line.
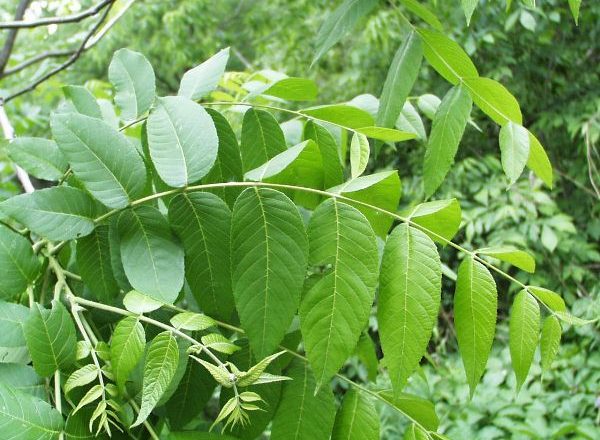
<point x="203" y="223"/>
<point x="93" y="262"/>
<point x="101" y="157"/>
<point x="159" y="368"/>
<point x="20" y="266"/>
<point x="550" y="341"/>
<point x="333" y="173"/>
<point x="494" y="100"/>
<point x="439" y="218"/>
<point x="25" y="417"/>
<point x="126" y="348"/>
<point x="269" y="252"/>
<point x="574" y="5"/>
<point x="293" y="89"/>
<point x="401" y="76"/>
<point x="408" y="301"/>
<point x="356" y="419"/>
<point x="152" y="260"/>
<point x="345" y="115"/>
<point x="204" y="78"/>
<point x="39" y="157"/>
<point x="57" y="213"/>
<point x="303" y="413"/>
<point x="516" y="257"/>
<point x="419" y="409"/>
<point x="83" y="101"/>
<point x="551" y="299"/>
<point x="359" y="154"/>
<point x="340" y="22"/>
<point x="182" y="140"/>
<point x="538" y="161"/>
<point x="335" y="309"/>
<point x="475" y="310"/>
<point x="468" y="8"/>
<point x="514" y="148"/>
<point x="524" y="330"/>
<point x="137" y="302"/>
<point x="133" y="78"/>
<point x="50" y="336"/>
<point x="410" y="121"/>
<point x="448" y="127"/>
<point x="446" y="56"/>
<point x="262" y="138"/>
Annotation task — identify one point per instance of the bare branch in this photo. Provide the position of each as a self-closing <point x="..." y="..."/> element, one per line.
<point x="20" y="24"/>
<point x="12" y="34"/>
<point x="36" y="59"/>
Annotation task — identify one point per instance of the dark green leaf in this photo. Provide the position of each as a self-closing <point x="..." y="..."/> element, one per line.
<point x="524" y="330"/>
<point x="20" y="266"/>
<point x="126" y="348"/>
<point x="262" y="138"/>
<point x="356" y="419"/>
<point x="333" y="172"/>
<point x="93" y="262"/>
<point x="418" y="408"/>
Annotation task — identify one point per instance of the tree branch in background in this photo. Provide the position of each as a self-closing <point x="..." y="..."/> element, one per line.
<point x="19" y="24"/>
<point x="12" y="34"/>
<point x="36" y="59"/>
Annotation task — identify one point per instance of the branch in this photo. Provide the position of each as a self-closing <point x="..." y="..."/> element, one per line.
<point x="12" y="35"/>
<point x="20" y="24"/>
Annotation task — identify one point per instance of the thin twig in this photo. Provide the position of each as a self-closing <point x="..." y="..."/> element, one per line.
<point x="20" y="24"/>
<point x="36" y="59"/>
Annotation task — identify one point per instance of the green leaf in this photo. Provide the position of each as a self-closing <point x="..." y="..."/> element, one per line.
<point x="203" y="223"/>
<point x="182" y="140"/>
<point x="429" y="104"/>
<point x="126" y="348"/>
<point x="93" y="262"/>
<point x="101" y="157"/>
<point x="356" y="419"/>
<point x="196" y="435"/>
<point x="538" y="161"/>
<point x="256" y="371"/>
<point x="423" y="13"/>
<point x="381" y="190"/>
<point x="12" y="340"/>
<point x="447" y="57"/>
<point x="551" y="299"/>
<point x="367" y="353"/>
<point x="468" y="8"/>
<point x="494" y="100"/>
<point x="439" y="218"/>
<point x="152" y="260"/>
<point x="475" y="311"/>
<point x="83" y="101"/>
<point x="550" y="341"/>
<point x="81" y="377"/>
<point x="39" y="157"/>
<point x="161" y="362"/>
<point x="446" y="132"/>
<point x="419" y="409"/>
<point x="293" y="89"/>
<point x="25" y="417"/>
<point x="386" y="134"/>
<point x="509" y="254"/>
<point x="335" y="309"/>
<point x="139" y="303"/>
<point x="524" y="329"/>
<point x="220" y="343"/>
<point x="359" y="154"/>
<point x="50" y="336"/>
<point x="574" y="5"/>
<point x="133" y="78"/>
<point x="20" y="266"/>
<point x="90" y="396"/>
<point x="269" y="252"/>
<point x="204" y="78"/>
<point x="77" y="426"/>
<point x="23" y="378"/>
<point x="414" y="432"/>
<point x="408" y="301"/>
<point x="333" y="172"/>
<point x="339" y="23"/>
<point x="514" y="146"/>
<point x="400" y="79"/>
<point x="347" y="116"/>
<point x="192" y="321"/>
<point x="304" y="412"/>
<point x="262" y="138"/>
<point x="58" y="213"/>
<point x="410" y="121"/>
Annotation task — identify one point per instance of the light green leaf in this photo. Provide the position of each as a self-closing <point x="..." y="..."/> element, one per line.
<point x="514" y="146"/>
<point x="419" y="409"/>
<point x="20" y="266"/>
<point x="220" y="343"/>
<point x="574" y="5"/>
<point x="304" y="412"/>
<point x="83" y="101"/>
<point x="93" y="262"/>
<point x="23" y="378"/>
<point x="182" y="140"/>
<point x="57" y="213"/>
<point x="262" y="138"/>
<point x="256" y="371"/>
<point x="204" y="78"/>
<point x="335" y="309"/>
<point x="538" y="161"/>
<point x="381" y="190"/>
<point x="137" y="302"/>
<point x="524" y="330"/>
<point x="81" y="377"/>
<point x="12" y="341"/>
<point x="39" y="157"/>
<point x="269" y="252"/>
<point x="339" y="22"/>
<point x="494" y="100"/>
<point x="401" y="76"/>
<point x="356" y="419"/>
<point x="423" y="13"/>
<point x="25" y="417"/>
<point x="475" y="311"/>
<point x="126" y="348"/>
<point x="408" y="301"/>
<point x="90" y="396"/>
<point x="439" y="218"/>
<point x="293" y="89"/>
<point x="550" y="341"/>
<point x="50" y="336"/>
<point x="333" y="173"/>
<point x="468" y="8"/>
<point x="203" y="223"/>
<point x="386" y="134"/>
<point x="192" y="321"/>
<point x="359" y="154"/>
<point x="414" y="432"/>
<point x="101" y="157"/>
<point x="366" y="352"/>
<point x="347" y="116"/>
<point x="429" y="104"/>
<point x="509" y="254"/>
<point x="161" y="362"/>
<point x="410" y="121"/>
<point x="447" y="130"/>
<point x="152" y="260"/>
<point x="446" y="56"/>
<point x="133" y="78"/>
<point x="551" y="299"/>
